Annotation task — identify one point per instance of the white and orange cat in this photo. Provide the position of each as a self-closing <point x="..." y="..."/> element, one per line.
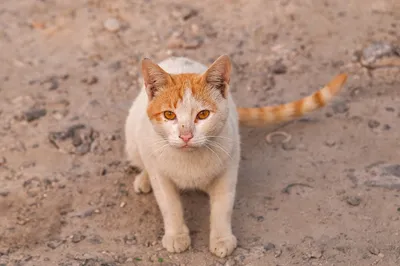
<point x="182" y="131"/>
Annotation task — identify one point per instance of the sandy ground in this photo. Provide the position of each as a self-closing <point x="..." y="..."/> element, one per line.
<point x="69" y="71"/>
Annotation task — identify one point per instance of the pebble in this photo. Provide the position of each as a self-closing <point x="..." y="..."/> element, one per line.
<point x="377" y="50"/>
<point x="34" y="114"/>
<point x="288" y="146"/>
<point x="386" y="127"/>
<point x="269" y="246"/>
<point x="123" y="204"/>
<point x="4" y="192"/>
<point x="260" y="218"/>
<point x="353" y="200"/>
<point x="55" y="244"/>
<point x="90" y="80"/>
<point x="330" y="143"/>
<point x="112" y="24"/>
<point x="130" y="239"/>
<point x="373" y="123"/>
<point x="184" y="12"/>
<point x="54" y="84"/>
<point x="279" y="68"/>
<point x="77" y="237"/>
<point x="278" y="253"/>
<point x="85" y="213"/>
<point x="373" y="250"/>
<point x="340" y="107"/>
<point x="95" y="239"/>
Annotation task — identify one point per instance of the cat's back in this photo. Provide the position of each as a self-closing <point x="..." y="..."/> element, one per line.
<point x="178" y="65"/>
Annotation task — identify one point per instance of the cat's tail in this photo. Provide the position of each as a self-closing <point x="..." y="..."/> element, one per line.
<point x="279" y="113"/>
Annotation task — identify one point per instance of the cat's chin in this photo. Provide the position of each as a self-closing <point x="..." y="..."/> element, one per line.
<point x="187" y="147"/>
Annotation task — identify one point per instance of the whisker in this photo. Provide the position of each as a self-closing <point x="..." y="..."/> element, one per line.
<point x="158" y="149"/>
<point x="217" y="145"/>
<point x="214" y="153"/>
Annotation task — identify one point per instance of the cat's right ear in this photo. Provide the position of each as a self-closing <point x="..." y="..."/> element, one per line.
<point x="154" y="77"/>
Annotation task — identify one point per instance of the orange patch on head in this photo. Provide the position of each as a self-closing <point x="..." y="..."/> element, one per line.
<point x="169" y="95"/>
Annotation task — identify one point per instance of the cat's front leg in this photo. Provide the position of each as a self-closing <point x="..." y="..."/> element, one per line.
<point x="176" y="237"/>
<point x="222" y="197"/>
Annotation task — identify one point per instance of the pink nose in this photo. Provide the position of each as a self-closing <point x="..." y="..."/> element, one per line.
<point x="186" y="137"/>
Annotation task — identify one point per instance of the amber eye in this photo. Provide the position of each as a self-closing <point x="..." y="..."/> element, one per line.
<point x="169" y="115"/>
<point x="203" y="114"/>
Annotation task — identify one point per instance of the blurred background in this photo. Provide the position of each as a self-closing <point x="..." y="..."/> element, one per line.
<point x="69" y="71"/>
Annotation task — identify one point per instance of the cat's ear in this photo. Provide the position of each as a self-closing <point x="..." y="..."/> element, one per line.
<point x="218" y="74"/>
<point x="154" y="77"/>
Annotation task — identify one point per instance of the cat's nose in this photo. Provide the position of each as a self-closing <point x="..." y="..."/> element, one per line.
<point x="186" y="137"/>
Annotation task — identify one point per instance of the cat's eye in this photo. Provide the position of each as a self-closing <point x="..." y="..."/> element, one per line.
<point x="203" y="114"/>
<point x="169" y="115"/>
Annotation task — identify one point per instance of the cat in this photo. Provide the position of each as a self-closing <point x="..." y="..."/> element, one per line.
<point x="182" y="131"/>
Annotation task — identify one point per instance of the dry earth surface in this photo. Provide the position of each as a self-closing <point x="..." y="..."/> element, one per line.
<point x="69" y="72"/>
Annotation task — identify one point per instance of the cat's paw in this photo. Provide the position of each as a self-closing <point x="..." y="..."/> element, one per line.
<point x="142" y="183"/>
<point x="176" y="243"/>
<point x="223" y="246"/>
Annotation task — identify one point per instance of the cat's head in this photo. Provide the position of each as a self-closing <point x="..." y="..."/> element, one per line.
<point x="187" y="109"/>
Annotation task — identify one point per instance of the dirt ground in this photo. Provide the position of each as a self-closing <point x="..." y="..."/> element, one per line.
<point x="69" y="72"/>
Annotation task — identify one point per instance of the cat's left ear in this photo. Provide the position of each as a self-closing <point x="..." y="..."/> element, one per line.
<point x="218" y="74"/>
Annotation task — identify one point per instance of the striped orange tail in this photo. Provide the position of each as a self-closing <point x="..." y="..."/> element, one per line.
<point x="279" y="113"/>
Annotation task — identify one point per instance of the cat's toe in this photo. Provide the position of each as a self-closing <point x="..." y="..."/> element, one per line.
<point x="142" y="184"/>
<point x="223" y="246"/>
<point x="176" y="243"/>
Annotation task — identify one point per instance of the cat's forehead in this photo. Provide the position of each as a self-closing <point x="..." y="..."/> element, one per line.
<point x="183" y="92"/>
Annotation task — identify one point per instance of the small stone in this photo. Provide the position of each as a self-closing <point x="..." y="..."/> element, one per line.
<point x="103" y="171"/>
<point x="353" y="200"/>
<point x="330" y="143"/>
<point x="130" y="239"/>
<point x="288" y="146"/>
<point x="4" y="251"/>
<point x="376" y="51"/>
<point x="269" y="246"/>
<point x="34" y="114"/>
<point x="260" y="218"/>
<point x="316" y="254"/>
<point x="90" y="80"/>
<point x="381" y="255"/>
<point x="278" y="68"/>
<point x="184" y="12"/>
<point x="4" y="192"/>
<point x="112" y="24"/>
<point x="373" y="250"/>
<point x="95" y="239"/>
<point x="373" y="123"/>
<point x="340" y="107"/>
<point x="386" y="127"/>
<point x="123" y="204"/>
<point x="52" y="82"/>
<point x="85" y="213"/>
<point x="55" y="244"/>
<point x="278" y="253"/>
<point x="77" y="237"/>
